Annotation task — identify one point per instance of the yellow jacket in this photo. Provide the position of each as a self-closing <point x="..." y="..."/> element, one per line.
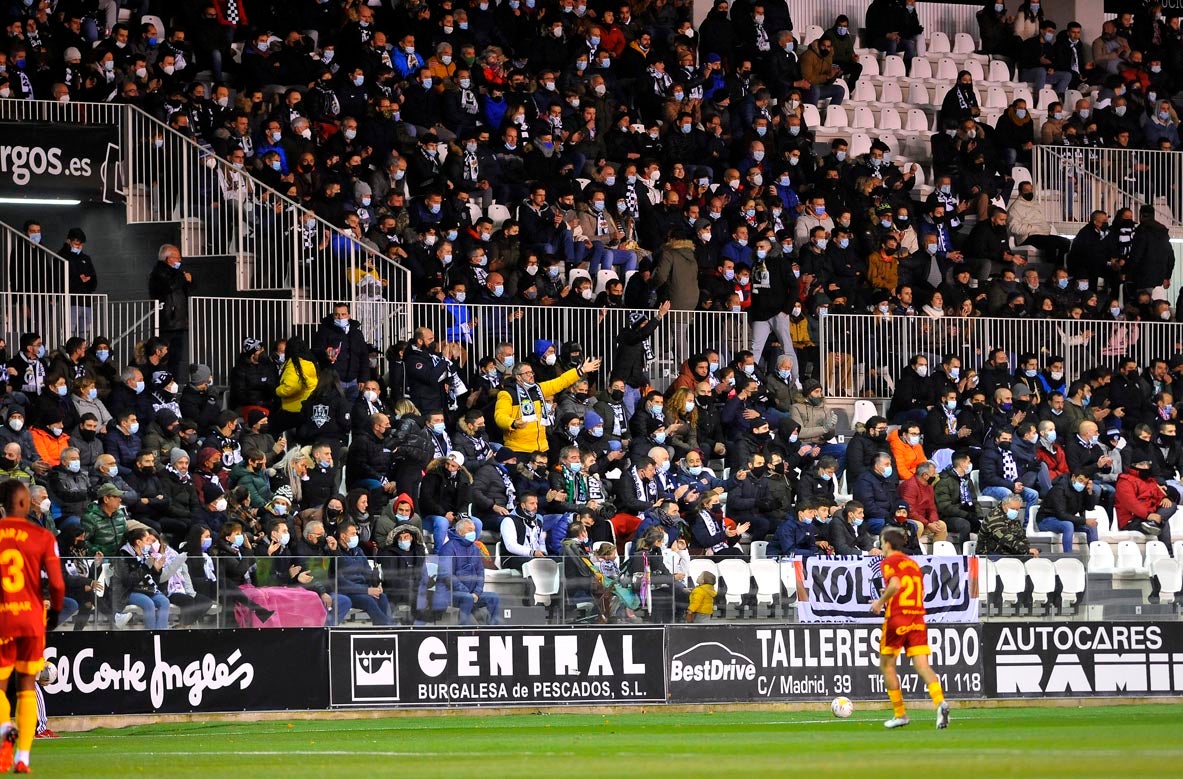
<point x="291" y="391"/>
<point x="702" y="599"/>
<point x="531" y="437"/>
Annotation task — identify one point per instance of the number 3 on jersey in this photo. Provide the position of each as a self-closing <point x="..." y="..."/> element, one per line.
<point x="12" y="571"/>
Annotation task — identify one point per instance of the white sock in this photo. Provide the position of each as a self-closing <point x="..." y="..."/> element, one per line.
<point x="22" y="756"/>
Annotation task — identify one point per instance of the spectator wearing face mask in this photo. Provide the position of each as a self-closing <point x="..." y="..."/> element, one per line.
<point x="906" y="449"/>
<point x="1004" y="530"/>
<point x="69" y="485"/>
<point x="50" y="439"/>
<point x="915" y="392"/>
<point x="461" y="578"/>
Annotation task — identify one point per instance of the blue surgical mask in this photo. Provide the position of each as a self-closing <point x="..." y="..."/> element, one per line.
<point x="1051" y="436"/>
<point x="206" y="543"/>
<point x="439" y="428"/>
<point x="1078" y="486"/>
<point x="596" y="432"/>
<point x="237" y="541"/>
<point x="1012" y="513"/>
<point x="951" y="405"/>
<point x="470" y="536"/>
<point x="887" y="472"/>
<point x="74" y="466"/>
<point x="353" y="542"/>
<point x="405" y="545"/>
<point x="659" y="437"/>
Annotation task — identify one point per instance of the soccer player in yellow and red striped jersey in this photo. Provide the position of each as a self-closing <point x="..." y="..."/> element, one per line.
<point x="902" y="605"/>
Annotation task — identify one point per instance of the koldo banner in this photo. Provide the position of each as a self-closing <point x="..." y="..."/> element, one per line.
<point x="140" y="672"/>
<point x="809" y="662"/>
<point x="1083" y="659"/>
<point x="494" y="666"/>
<point x="80" y="162"/>
<point x="841" y="589"/>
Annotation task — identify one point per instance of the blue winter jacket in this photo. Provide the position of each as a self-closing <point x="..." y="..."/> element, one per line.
<point x="461" y="570"/>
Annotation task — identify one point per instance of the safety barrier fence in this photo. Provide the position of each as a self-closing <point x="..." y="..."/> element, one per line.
<point x="1073" y="182"/>
<point x="862" y="355"/>
<point x="218" y="327"/>
<point x="278" y="245"/>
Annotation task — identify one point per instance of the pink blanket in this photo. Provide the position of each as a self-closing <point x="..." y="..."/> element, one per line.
<point x="293" y="607"/>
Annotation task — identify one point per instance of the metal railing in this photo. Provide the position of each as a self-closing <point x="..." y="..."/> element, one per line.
<point x="130" y="322"/>
<point x="862" y="355"/>
<point x="1074" y="182"/>
<point x="478" y="329"/>
<point x="218" y="326"/>
<point x="278" y="245"/>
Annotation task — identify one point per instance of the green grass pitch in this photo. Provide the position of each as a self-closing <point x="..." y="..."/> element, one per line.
<point x="1118" y="741"/>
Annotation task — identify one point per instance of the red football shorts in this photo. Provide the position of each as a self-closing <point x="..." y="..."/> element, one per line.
<point x="25" y="653"/>
<point x="900" y="633"/>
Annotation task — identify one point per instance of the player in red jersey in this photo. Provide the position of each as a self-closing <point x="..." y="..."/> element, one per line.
<point x="903" y="628"/>
<point x="26" y="550"/>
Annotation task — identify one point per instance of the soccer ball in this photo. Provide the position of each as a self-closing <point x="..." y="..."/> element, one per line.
<point x="48" y="675"/>
<point x="842" y="707"/>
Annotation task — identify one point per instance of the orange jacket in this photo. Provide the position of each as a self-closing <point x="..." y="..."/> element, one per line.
<point x="49" y="448"/>
<point x="907" y="457"/>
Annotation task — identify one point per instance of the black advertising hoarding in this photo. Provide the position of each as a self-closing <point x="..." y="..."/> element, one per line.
<point x="79" y="162"/>
<point x="1083" y="659"/>
<point x="809" y="662"/>
<point x="492" y="666"/>
<point x="174" y="671"/>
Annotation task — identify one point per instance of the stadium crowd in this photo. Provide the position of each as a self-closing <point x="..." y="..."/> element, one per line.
<point x="704" y="179"/>
<point x="622" y="136"/>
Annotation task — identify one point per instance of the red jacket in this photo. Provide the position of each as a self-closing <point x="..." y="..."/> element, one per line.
<point x="1057" y="464"/>
<point x="921" y="500"/>
<point x="1136" y="498"/>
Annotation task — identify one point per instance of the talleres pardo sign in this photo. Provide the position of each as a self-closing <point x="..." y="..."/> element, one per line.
<point x="80" y="162"/>
<point x="809" y="662"/>
<point x="1084" y="659"/>
<point x="497" y="666"/>
<point x="174" y="671"/>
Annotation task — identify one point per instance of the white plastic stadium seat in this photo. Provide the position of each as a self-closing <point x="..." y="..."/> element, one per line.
<point x="890" y="92"/>
<point x="1129" y="560"/>
<point x="864" y="91"/>
<point x="700" y="564"/>
<point x="938" y="43"/>
<point x="870" y="67"/>
<point x="767" y="576"/>
<point x="921" y="68"/>
<point x="836" y="117"/>
<point x="1100" y="557"/>
<point x="1047" y="96"/>
<point x="999" y="71"/>
<point x="1012" y="578"/>
<point x="860" y="143"/>
<point x="812" y="33"/>
<point x="602" y="279"/>
<point x="1177" y="546"/>
<point x="810" y="115"/>
<point x="944" y="549"/>
<point x="917" y="121"/>
<point x="893" y="66"/>
<point x="995" y="98"/>
<point x="1155" y="550"/>
<point x="863" y="410"/>
<point x="498" y="213"/>
<point x="889" y="119"/>
<point x="1170" y="578"/>
<point x="155" y="21"/>
<point x="737" y="576"/>
<point x="577" y="273"/>
<point x="544" y="573"/>
<point x="974" y="68"/>
<point x="1022" y="92"/>
<point x="990" y="580"/>
<point x="969" y="548"/>
<point x="1042" y="573"/>
<point x="864" y="119"/>
<point x="1020" y="174"/>
<point x="1070" y="572"/>
<point x="758" y="550"/>
<point x="963" y="43"/>
<point x="1034" y="533"/>
<point x="947" y="68"/>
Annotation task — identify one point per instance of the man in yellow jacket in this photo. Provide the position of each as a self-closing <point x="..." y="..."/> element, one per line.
<point x="522" y="412"/>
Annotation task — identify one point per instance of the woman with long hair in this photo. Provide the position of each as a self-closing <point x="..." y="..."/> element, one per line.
<point x="297" y="382"/>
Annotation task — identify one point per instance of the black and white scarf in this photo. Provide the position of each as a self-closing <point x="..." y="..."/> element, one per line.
<point x="646" y="488"/>
<point x="510" y="493"/>
<point x="471" y="167"/>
